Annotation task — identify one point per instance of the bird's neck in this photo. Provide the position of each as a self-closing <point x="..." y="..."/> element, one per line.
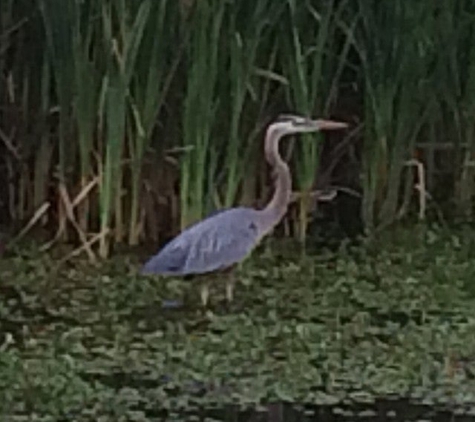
<point x="277" y="207"/>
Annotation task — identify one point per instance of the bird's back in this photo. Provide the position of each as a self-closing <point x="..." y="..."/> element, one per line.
<point x="215" y="243"/>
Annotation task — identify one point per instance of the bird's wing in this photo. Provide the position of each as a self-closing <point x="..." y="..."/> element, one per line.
<point x="169" y="261"/>
<point x="220" y="246"/>
<point x="215" y="243"/>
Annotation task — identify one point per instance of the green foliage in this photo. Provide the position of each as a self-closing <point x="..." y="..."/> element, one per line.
<point x="452" y="105"/>
<point x="114" y="112"/>
<point x="395" y="64"/>
<point x="200" y="109"/>
<point x="391" y="318"/>
<point x="316" y="58"/>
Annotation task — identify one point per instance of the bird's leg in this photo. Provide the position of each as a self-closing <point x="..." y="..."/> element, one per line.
<point x="230" y="281"/>
<point x="204" y="294"/>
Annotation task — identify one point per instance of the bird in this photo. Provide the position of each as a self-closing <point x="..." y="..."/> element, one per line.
<point x="227" y="237"/>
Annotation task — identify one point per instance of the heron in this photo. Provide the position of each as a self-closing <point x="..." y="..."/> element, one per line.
<point x="221" y="241"/>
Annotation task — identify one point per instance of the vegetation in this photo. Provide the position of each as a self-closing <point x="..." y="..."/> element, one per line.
<point x="393" y="319"/>
<point x="125" y="121"/>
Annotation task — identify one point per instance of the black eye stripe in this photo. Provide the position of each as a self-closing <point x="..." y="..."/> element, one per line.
<point x="285" y="118"/>
<point x="295" y="120"/>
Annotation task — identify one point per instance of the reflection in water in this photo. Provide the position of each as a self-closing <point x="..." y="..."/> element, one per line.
<point x="383" y="410"/>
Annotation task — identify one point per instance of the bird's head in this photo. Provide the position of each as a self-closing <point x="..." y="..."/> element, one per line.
<point x="287" y="124"/>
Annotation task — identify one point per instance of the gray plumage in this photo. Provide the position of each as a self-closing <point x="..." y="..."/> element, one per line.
<point x="213" y="244"/>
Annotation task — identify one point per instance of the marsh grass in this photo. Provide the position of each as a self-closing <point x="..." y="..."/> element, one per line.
<point x="313" y="70"/>
<point x="395" y="64"/>
<point x="454" y="81"/>
<point x="93" y="93"/>
<point x="200" y="111"/>
<point x="390" y="319"/>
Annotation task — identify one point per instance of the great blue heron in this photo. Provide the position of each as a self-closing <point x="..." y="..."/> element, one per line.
<point x="227" y="237"/>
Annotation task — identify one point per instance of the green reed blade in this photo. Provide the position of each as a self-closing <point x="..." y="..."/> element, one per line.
<point x="153" y="69"/>
<point x="394" y="66"/>
<point x="200" y="109"/>
<point x="311" y="59"/>
<point x="59" y="18"/>
<point x="249" y="40"/>
<point x="115" y="111"/>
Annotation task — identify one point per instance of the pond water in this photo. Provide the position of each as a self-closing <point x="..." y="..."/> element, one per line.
<point x="361" y="336"/>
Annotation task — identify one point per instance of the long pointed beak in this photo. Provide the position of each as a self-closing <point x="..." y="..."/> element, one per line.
<point x="330" y="124"/>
